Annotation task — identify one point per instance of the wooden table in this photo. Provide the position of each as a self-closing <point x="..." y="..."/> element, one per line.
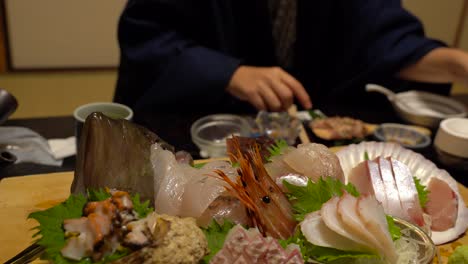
<point x="20" y="196"/>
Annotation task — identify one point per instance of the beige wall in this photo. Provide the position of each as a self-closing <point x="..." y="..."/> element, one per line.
<point x="63" y="33"/>
<point x="440" y="17"/>
<point x="57" y="94"/>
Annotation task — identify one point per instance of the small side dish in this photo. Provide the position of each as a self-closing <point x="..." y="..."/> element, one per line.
<point x="339" y="128"/>
<point x="407" y="136"/>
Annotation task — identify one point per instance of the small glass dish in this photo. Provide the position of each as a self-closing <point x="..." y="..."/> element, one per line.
<point x="209" y="133"/>
<point x="278" y="125"/>
<point x="404" y="135"/>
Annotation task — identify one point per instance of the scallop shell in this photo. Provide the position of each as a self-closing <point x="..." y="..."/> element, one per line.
<point x="421" y="168"/>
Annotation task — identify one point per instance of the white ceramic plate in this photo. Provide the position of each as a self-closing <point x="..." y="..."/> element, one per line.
<point x="421" y="168"/>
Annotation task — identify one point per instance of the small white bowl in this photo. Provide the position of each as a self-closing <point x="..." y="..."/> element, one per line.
<point x="452" y="137"/>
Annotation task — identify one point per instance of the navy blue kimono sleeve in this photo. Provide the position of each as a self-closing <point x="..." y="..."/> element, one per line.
<point x="374" y="40"/>
<point x="162" y="62"/>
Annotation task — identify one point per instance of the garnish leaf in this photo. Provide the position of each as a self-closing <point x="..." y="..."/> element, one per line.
<point x="422" y="192"/>
<point x="199" y="165"/>
<point x="322" y="254"/>
<point x="142" y="209"/>
<point x="215" y="235"/>
<point x="316" y="114"/>
<point x="366" y="155"/>
<point x="310" y="198"/>
<point x="98" y="195"/>
<point x="50" y="226"/>
<point x="394" y="230"/>
<point x="277" y="148"/>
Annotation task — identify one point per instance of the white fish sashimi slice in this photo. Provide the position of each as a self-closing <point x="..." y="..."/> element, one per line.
<point x="203" y="189"/>
<point x="367" y="179"/>
<point x="277" y="168"/>
<point x="317" y="232"/>
<point x="314" y="161"/>
<point x="172" y="180"/>
<point x="442" y="205"/>
<point x="373" y="216"/>
<point x="407" y="190"/>
<point x="347" y="210"/>
<point x="393" y="206"/>
<point x="334" y="222"/>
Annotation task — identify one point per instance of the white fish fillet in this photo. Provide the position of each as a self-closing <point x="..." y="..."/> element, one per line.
<point x="182" y="190"/>
<point x="318" y="233"/>
<point x="203" y="188"/>
<point x="408" y="194"/>
<point x="331" y="218"/>
<point x="314" y="161"/>
<point x="347" y="212"/>
<point x="393" y="206"/>
<point x="373" y="216"/>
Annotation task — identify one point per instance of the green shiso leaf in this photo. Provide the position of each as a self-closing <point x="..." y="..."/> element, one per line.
<point x="310" y="198"/>
<point x="422" y="192"/>
<point x="394" y="230"/>
<point x="277" y="148"/>
<point x="215" y="235"/>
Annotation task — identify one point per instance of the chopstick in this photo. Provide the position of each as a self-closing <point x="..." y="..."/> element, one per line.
<point x="292" y="111"/>
<point x="27" y="255"/>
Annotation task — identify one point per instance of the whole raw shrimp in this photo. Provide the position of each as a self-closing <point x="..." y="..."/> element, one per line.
<point x="267" y="206"/>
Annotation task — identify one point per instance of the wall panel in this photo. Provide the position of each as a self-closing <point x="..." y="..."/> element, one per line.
<point x="63" y="33"/>
<point x="440" y="17"/>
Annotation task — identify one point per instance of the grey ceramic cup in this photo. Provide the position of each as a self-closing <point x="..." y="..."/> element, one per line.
<point x="8" y="105"/>
<point x="112" y="110"/>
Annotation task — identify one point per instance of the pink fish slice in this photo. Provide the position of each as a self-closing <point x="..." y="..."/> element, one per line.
<point x="367" y="179"/>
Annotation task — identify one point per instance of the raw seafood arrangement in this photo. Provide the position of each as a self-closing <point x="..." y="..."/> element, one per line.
<point x="271" y="203"/>
<point x="445" y="225"/>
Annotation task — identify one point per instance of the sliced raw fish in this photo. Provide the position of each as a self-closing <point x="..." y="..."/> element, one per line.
<point x="332" y="219"/>
<point x="203" y="181"/>
<point x="347" y="210"/>
<point x="367" y="179"/>
<point x="294" y="179"/>
<point x="408" y="194"/>
<point x="442" y="205"/>
<point x="420" y="167"/>
<point x="250" y="247"/>
<point x="393" y="206"/>
<point x="169" y="182"/>
<point x="373" y="216"/>
<point x="314" y="161"/>
<point x="318" y="233"/>
<point x="276" y="168"/>
<point x="182" y="190"/>
<point x="224" y="207"/>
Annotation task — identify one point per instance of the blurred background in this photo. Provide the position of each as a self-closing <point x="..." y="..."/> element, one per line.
<point x="58" y="54"/>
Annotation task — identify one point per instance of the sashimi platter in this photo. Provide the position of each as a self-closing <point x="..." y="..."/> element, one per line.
<point x="134" y="199"/>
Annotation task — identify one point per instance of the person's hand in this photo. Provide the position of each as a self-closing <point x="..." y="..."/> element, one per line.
<point x="267" y="88"/>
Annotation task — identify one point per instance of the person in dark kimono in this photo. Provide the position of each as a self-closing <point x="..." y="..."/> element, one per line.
<point x="230" y="55"/>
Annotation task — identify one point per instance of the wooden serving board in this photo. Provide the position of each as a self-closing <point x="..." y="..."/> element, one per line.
<point x="20" y="196"/>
